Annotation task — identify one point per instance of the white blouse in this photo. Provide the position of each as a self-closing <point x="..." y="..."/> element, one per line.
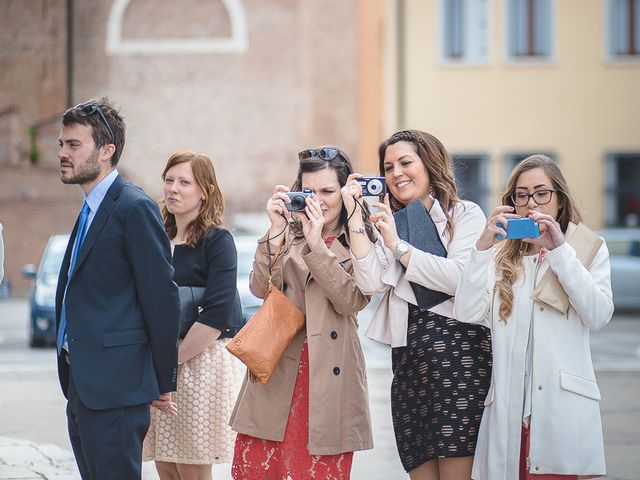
<point x="379" y="271"/>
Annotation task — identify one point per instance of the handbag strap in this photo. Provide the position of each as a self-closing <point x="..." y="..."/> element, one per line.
<point x="272" y="261"/>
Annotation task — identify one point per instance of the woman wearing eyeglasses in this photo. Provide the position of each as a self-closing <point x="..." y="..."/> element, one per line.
<point x="314" y="412"/>
<point x="441" y="367"/>
<point x="540" y="297"/>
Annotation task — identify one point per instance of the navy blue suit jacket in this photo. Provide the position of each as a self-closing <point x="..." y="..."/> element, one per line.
<point x="122" y="306"/>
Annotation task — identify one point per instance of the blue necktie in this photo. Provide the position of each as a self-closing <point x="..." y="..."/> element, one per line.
<point x="82" y="230"/>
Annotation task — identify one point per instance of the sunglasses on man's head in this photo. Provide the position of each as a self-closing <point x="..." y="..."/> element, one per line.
<point x="325" y="153"/>
<point x="89" y="109"/>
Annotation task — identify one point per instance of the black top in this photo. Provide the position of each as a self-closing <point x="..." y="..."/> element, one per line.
<point x="212" y="264"/>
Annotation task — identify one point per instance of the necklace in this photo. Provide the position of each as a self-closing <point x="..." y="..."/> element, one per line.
<point x="332" y="233"/>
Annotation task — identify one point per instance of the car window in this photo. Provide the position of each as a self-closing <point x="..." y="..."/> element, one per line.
<point x="624" y="247"/>
<point x="52" y="258"/>
<point x="245" y="260"/>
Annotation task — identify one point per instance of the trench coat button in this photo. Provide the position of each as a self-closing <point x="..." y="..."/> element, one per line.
<point x="541" y="309"/>
<point x="539" y="387"/>
<point x="537" y="468"/>
<point x="336" y="371"/>
<point x="334" y="335"/>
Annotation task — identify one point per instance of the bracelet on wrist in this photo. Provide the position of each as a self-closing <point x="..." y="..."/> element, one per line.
<point x="357" y="230"/>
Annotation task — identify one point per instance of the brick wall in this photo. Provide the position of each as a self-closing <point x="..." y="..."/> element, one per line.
<point x="34" y="204"/>
<point x="294" y="86"/>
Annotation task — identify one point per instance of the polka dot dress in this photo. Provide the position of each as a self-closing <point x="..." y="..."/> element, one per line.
<point x="200" y="433"/>
<point x="440" y="381"/>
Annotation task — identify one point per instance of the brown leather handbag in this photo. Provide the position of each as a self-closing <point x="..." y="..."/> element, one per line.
<point x="261" y="343"/>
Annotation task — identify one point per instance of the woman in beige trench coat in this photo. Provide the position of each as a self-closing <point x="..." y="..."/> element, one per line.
<point x="314" y="412"/>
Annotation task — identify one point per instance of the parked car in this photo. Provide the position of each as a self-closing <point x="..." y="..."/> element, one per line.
<point x="624" y="251"/>
<point x="42" y="324"/>
<point x="246" y="247"/>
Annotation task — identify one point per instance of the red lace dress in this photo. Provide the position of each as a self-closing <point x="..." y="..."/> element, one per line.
<point x="259" y="459"/>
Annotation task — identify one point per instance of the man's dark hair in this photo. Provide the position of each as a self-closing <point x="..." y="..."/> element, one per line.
<point x="81" y="114"/>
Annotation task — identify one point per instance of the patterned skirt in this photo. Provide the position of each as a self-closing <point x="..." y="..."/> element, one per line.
<point x="259" y="459"/>
<point x="440" y="381"/>
<point x="207" y="388"/>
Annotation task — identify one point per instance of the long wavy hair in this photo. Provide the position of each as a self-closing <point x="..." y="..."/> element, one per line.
<point x="342" y="165"/>
<point x="509" y="253"/>
<point x="436" y="159"/>
<point x="212" y="207"/>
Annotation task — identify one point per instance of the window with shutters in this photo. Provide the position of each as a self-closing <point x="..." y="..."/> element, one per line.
<point x="623" y="28"/>
<point x="623" y="189"/>
<point x="472" y="178"/>
<point x="530" y="29"/>
<point x="464" y="27"/>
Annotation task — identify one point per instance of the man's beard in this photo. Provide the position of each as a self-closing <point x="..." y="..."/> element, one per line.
<point x="86" y="173"/>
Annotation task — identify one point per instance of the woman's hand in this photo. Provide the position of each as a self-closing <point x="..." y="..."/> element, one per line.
<point x="489" y="236"/>
<point x="312" y="221"/>
<point x="552" y="236"/>
<point x="165" y="404"/>
<point x="277" y="212"/>
<point x="386" y="225"/>
<point x="351" y="191"/>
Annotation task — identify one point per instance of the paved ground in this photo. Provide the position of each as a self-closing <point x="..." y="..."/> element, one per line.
<point x="34" y="444"/>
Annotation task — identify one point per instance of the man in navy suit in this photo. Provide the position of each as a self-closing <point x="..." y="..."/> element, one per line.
<point x="117" y="307"/>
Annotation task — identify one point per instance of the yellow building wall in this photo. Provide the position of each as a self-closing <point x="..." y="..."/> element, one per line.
<point x="579" y="106"/>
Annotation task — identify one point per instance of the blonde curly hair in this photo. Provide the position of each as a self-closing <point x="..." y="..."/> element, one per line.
<point x="509" y="254"/>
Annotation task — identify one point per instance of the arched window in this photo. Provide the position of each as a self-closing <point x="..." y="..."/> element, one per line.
<point x="236" y="42"/>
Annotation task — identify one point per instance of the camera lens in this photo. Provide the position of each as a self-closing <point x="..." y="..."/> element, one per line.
<point x="297" y="202"/>
<point x="375" y="187"/>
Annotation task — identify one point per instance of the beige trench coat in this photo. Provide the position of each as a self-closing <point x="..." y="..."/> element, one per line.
<point x="321" y="284"/>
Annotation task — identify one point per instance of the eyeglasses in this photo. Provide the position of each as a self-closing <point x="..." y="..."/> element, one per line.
<point x="541" y="197"/>
<point x="91" y="108"/>
<point x="325" y="153"/>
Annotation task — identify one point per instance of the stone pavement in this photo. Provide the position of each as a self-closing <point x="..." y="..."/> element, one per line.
<point x="620" y="405"/>
<point x="31" y="407"/>
<point x="24" y="460"/>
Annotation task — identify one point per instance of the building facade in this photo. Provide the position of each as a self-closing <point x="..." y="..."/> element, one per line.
<point x="497" y="80"/>
<point x="247" y="82"/>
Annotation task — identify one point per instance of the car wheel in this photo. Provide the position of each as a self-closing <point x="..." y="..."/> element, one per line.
<point x="35" y="342"/>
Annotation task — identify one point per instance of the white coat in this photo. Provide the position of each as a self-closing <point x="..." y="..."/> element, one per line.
<point x="565" y="429"/>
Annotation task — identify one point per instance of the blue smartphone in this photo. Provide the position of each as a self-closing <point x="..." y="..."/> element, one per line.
<point x="520" y="228"/>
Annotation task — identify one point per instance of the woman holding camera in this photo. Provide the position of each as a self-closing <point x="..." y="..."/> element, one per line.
<point x="314" y="412"/>
<point x="441" y="367"/>
<point x="540" y="297"/>
<point x="184" y="446"/>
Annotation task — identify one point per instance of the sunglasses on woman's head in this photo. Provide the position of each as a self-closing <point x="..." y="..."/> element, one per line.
<point x="88" y="109"/>
<point x="325" y="153"/>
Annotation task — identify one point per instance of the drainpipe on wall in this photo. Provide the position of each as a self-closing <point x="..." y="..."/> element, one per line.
<point x="69" y="53"/>
<point x="401" y="63"/>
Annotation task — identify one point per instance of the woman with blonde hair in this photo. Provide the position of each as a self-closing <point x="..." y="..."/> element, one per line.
<point x="204" y="255"/>
<point x="441" y="367"/>
<point x="540" y="296"/>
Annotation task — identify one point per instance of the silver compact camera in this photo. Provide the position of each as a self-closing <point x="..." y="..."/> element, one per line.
<point x="373" y="186"/>
<point x="298" y="200"/>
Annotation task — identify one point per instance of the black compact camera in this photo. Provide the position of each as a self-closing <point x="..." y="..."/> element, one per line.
<point x="298" y="200"/>
<point x="373" y="186"/>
